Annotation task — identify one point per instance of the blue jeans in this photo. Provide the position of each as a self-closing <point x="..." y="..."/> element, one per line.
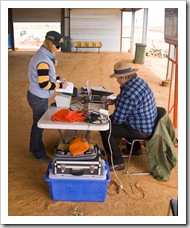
<point x="39" y="107"/>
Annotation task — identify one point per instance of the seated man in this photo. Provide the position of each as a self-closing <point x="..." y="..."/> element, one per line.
<point x="134" y="116"/>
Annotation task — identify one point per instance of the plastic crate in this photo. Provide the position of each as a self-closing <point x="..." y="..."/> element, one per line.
<point x="78" y="190"/>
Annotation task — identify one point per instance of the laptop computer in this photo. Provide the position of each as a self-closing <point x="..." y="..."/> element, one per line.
<point x="95" y="95"/>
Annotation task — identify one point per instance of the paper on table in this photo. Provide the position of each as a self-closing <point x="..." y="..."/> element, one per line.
<point x="112" y="97"/>
<point x="68" y="89"/>
<point x="98" y="88"/>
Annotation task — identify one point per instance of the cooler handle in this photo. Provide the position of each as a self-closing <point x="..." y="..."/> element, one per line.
<point x="77" y="172"/>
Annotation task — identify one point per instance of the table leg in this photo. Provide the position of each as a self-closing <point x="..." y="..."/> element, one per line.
<point x="61" y="134"/>
<point x="87" y="136"/>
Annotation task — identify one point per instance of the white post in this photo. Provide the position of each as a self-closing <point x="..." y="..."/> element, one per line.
<point x="145" y="26"/>
<point x="132" y="32"/>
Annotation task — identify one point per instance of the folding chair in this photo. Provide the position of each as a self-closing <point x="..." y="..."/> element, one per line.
<point x="163" y="129"/>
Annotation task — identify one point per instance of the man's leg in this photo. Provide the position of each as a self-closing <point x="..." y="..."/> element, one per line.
<point x="111" y="148"/>
<point x="111" y="144"/>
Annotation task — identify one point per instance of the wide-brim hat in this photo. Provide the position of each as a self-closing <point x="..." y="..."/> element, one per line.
<point x="122" y="69"/>
<point x="55" y="38"/>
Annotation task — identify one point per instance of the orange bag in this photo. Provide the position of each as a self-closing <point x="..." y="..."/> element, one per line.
<point x="78" y="145"/>
<point x="66" y="115"/>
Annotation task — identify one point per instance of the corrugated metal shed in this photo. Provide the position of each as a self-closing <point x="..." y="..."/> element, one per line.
<point x="78" y="24"/>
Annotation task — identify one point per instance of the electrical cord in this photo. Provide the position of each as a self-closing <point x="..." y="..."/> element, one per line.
<point x="120" y="186"/>
<point x="110" y="128"/>
<point x="94" y="117"/>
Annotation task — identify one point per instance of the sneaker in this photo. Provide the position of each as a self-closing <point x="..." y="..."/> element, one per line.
<point x="134" y="152"/>
<point x="117" y="167"/>
<point x="44" y="159"/>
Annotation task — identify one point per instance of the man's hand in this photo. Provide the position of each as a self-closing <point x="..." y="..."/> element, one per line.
<point x="109" y="101"/>
<point x="64" y="84"/>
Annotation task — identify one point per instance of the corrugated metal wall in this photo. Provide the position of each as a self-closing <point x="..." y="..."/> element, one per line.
<point x="97" y="25"/>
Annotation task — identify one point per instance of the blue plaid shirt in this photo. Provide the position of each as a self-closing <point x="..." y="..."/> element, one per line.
<point x="136" y="106"/>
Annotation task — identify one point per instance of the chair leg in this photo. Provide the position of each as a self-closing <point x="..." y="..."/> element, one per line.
<point x="129" y="160"/>
<point x="130" y="153"/>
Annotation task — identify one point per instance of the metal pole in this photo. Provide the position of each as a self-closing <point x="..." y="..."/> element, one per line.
<point x="10" y="28"/>
<point x="145" y="26"/>
<point x="175" y="116"/>
<point x="132" y="31"/>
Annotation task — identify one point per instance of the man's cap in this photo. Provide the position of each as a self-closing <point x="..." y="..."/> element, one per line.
<point x="122" y="69"/>
<point x="55" y="38"/>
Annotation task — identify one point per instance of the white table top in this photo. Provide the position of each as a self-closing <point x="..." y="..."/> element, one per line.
<point x="46" y="122"/>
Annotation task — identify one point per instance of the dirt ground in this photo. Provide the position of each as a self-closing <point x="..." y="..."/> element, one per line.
<point x="28" y="193"/>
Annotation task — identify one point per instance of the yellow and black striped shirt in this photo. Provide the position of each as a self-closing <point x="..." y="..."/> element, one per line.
<point x="44" y="79"/>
